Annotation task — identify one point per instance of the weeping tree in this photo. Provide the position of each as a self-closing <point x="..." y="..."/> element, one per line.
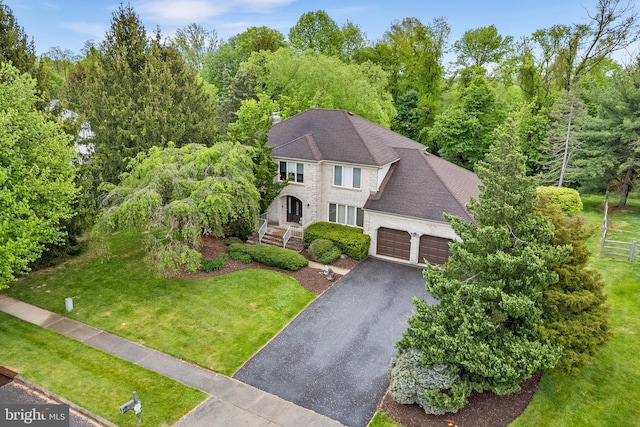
<point x="482" y="333"/>
<point x="179" y="194"/>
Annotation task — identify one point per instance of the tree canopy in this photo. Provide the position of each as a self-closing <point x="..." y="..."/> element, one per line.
<point x="179" y="194"/>
<point x="298" y="81"/>
<point x="36" y="176"/>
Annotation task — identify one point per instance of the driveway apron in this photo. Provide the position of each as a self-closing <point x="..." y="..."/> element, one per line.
<point x="334" y="357"/>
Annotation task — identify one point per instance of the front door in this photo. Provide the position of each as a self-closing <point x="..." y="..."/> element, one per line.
<point x="294" y="209"/>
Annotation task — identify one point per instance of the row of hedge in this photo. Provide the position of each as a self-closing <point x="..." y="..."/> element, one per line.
<point x="272" y="256"/>
<point x="350" y="240"/>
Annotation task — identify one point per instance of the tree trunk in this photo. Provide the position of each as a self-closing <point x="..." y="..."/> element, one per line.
<point x="626" y="185"/>
<point x="565" y="157"/>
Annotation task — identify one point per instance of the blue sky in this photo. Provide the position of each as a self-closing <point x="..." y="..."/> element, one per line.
<point x="69" y="23"/>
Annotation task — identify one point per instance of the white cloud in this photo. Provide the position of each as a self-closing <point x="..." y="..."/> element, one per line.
<point x="177" y="12"/>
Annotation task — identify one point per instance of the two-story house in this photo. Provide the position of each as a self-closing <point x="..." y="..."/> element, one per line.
<point x="345" y="169"/>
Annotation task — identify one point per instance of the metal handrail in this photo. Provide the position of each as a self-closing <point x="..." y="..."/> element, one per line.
<point x="292" y="231"/>
<point x="262" y="230"/>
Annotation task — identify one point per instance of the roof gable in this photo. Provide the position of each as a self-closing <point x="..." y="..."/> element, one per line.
<point x="336" y="135"/>
<point x="423" y="185"/>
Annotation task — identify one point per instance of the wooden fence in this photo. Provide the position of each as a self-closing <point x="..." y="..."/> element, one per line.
<point x="628" y="250"/>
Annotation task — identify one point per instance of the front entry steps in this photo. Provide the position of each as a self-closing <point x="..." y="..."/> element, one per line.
<point x="275" y="237"/>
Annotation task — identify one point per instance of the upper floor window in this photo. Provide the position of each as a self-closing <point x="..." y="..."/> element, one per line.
<point x="346" y="176"/>
<point x="292" y="171"/>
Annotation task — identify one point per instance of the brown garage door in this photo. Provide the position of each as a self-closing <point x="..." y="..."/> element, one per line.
<point x="434" y="249"/>
<point x="394" y="243"/>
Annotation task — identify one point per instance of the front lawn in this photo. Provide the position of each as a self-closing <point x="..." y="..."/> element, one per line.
<point x="216" y="322"/>
<point x="91" y="378"/>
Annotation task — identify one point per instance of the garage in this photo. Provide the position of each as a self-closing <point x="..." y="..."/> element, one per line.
<point x="434" y="249"/>
<point x="394" y="243"/>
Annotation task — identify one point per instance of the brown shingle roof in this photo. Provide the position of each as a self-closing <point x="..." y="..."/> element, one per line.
<point x="336" y="135"/>
<point x="418" y="184"/>
<point x="423" y="185"/>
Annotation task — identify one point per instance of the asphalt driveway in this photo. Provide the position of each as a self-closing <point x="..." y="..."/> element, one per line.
<point x="334" y="357"/>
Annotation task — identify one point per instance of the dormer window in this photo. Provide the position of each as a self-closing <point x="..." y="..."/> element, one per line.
<point x="346" y="176"/>
<point x="292" y="171"/>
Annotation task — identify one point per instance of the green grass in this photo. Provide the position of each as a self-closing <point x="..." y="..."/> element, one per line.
<point x="606" y="391"/>
<point x="91" y="378"/>
<point x="380" y="419"/>
<point x="216" y="322"/>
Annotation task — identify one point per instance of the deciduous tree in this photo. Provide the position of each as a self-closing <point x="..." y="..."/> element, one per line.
<point x="36" y="176"/>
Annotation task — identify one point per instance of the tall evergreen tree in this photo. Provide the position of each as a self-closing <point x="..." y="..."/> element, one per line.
<point x="138" y="94"/>
<point x="609" y="156"/>
<point x="15" y="47"/>
<point x="575" y="315"/>
<point x="489" y="292"/>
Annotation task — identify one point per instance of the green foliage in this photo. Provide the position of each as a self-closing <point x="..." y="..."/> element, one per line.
<point x="272" y="256"/>
<point x="302" y="80"/>
<point x="489" y="292"/>
<point x="232" y="240"/>
<point x="137" y="93"/>
<point x="15" y="46"/>
<point x="566" y="199"/>
<point x="575" y="315"/>
<point x="349" y="240"/>
<point x="323" y="251"/>
<point x="464" y="131"/>
<point x="482" y="46"/>
<point x="252" y="128"/>
<point x="180" y="193"/>
<point x="608" y="156"/>
<point x="241" y="256"/>
<point x="36" y="176"/>
<point x="434" y="388"/>
<point x="214" y="264"/>
<point x="316" y="31"/>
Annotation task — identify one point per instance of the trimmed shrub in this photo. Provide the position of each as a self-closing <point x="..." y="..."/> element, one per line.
<point x="436" y="389"/>
<point x="323" y="251"/>
<point x="233" y="239"/>
<point x="272" y="256"/>
<point x="567" y="199"/>
<point x="214" y="264"/>
<point x="246" y="258"/>
<point x="349" y="240"/>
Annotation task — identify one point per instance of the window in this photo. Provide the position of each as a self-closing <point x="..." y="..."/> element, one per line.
<point x="292" y="171"/>
<point x="346" y="176"/>
<point x="347" y="215"/>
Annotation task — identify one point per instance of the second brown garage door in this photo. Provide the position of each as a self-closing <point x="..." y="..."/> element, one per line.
<point x="434" y="249"/>
<point x="394" y="243"/>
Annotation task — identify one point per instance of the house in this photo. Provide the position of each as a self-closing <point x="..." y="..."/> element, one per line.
<point x="345" y="169"/>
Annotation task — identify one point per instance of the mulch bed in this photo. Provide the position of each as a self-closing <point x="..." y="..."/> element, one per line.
<point x="309" y="278"/>
<point x="484" y="409"/>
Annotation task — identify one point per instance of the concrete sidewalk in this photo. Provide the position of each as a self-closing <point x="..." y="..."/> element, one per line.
<point x="231" y="402"/>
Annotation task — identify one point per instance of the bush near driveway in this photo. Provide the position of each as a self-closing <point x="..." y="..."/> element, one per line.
<point x="272" y="256"/>
<point x="350" y="240"/>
